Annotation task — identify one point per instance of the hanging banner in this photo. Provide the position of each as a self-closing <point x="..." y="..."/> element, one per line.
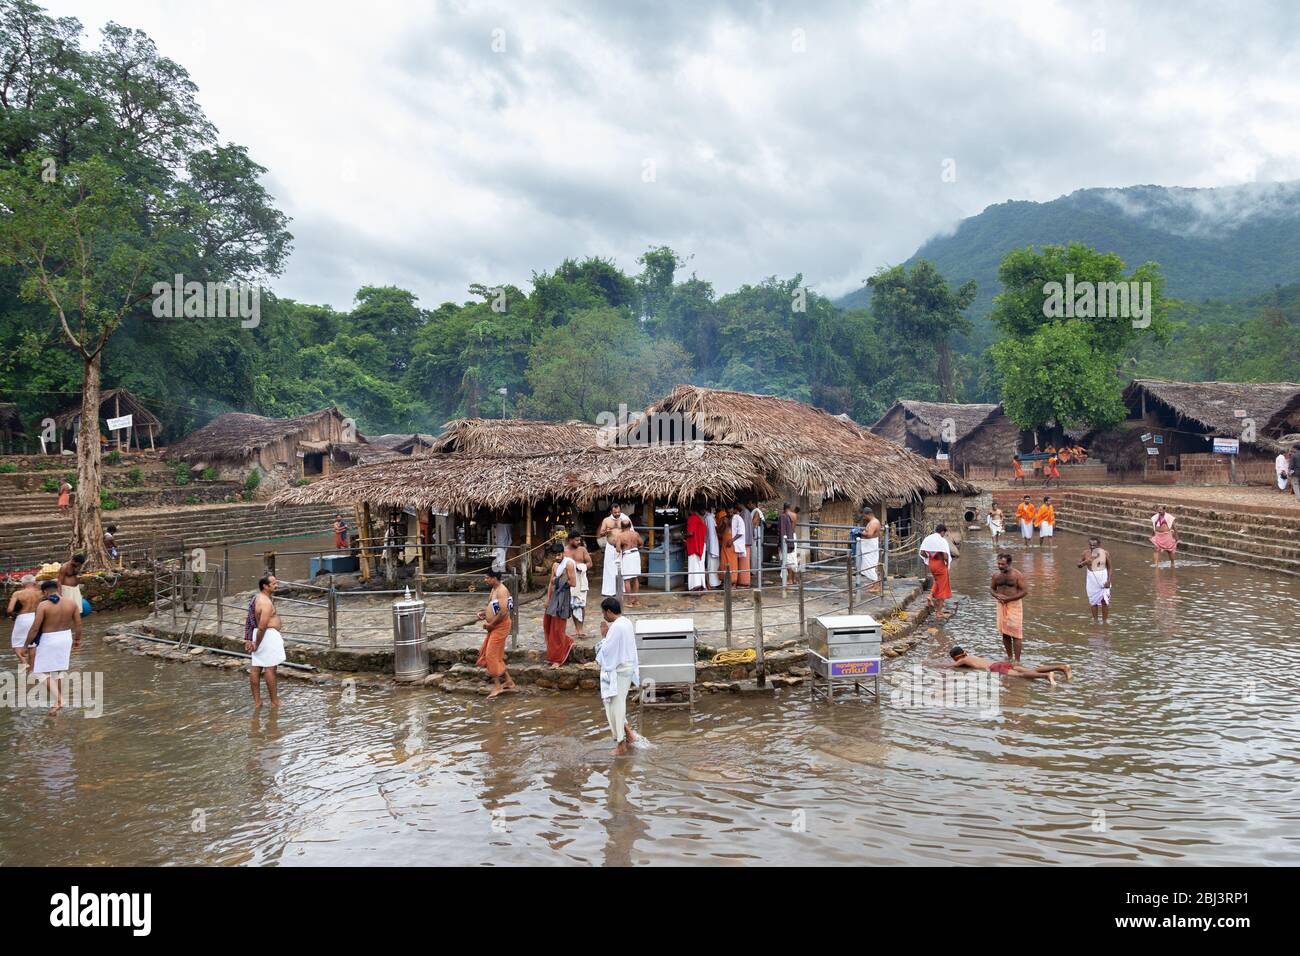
<point x="116" y="424"/>
<point x="1227" y="446"/>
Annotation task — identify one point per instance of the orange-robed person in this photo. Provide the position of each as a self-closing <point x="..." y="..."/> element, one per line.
<point x="1025" y="516"/>
<point x="1045" y="519"/>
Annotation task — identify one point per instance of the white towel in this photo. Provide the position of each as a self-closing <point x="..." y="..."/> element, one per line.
<point x="270" y="653"/>
<point x="609" y="572"/>
<point x="53" y="652"/>
<point x="1097" y="592"/>
<point x="22" y="625"/>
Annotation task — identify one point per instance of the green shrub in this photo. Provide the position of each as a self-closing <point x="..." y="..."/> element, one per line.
<point x="107" y="502"/>
<point x="114" y="457"/>
<point x="8" y="468"/>
<point x="208" y="474"/>
<point x="135" y="476"/>
<point x="50" y="484"/>
<point x="252" y="481"/>
<point x="182" y="471"/>
<point x="299" y="482"/>
<point x="193" y="500"/>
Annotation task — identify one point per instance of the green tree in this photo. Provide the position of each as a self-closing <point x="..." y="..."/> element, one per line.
<point x="921" y="313"/>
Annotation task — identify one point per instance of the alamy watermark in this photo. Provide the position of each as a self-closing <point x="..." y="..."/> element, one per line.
<point x="978" y="690"/>
<point x="622" y="429"/>
<point x="82" y="690"/>
<point x="208" y="300"/>
<point x="1098" y="300"/>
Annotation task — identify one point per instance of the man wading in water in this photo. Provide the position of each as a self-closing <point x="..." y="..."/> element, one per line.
<point x="1009" y="588"/>
<point x="496" y="621"/>
<point x="54" y="634"/>
<point x="22" y="608"/>
<point x="1046" y="671"/>
<point x="263" y="640"/>
<point x="1097" y="560"/>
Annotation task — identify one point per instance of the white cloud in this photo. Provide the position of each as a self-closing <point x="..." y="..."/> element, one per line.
<point x="473" y="165"/>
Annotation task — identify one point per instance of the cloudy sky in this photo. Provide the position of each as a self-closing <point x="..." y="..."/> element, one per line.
<point x="432" y="145"/>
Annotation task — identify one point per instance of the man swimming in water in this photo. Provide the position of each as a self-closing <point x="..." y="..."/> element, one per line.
<point x="1047" y="672"/>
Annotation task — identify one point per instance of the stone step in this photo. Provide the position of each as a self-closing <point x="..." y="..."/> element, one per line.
<point x="1141" y="530"/>
<point x="1218" y="553"/>
<point x="1224" y="520"/>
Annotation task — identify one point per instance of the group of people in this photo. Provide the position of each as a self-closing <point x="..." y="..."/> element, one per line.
<point x="47" y="625"/>
<point x="729" y="541"/>
<point x="1031" y="518"/>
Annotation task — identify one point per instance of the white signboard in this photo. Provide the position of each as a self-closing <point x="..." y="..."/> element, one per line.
<point x="1146" y="437"/>
<point x="1227" y="446"/>
<point x="1153" y="451"/>
<point x="1238" y="413"/>
<point x="116" y="424"/>
<point x="941" y="456"/>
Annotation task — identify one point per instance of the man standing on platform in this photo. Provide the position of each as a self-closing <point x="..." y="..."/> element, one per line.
<point x="696" y="541"/>
<point x="712" y="548"/>
<point x="787" y="529"/>
<point x="605" y="539"/>
<point x="869" y="550"/>
<point x="1009" y="588"/>
<point x="496" y="621"/>
<point x="740" y="542"/>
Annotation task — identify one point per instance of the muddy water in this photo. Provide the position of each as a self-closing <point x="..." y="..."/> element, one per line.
<point x="1175" y="742"/>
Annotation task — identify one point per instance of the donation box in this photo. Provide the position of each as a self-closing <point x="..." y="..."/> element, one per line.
<point x="665" y="650"/>
<point x="844" y="645"/>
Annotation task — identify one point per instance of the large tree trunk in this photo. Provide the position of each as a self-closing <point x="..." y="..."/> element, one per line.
<point x="87" y="530"/>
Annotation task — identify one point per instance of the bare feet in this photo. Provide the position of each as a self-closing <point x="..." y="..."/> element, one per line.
<point x="495" y="692"/>
<point x="1051" y="678"/>
<point x="620" y="750"/>
<point x="1069" y="672"/>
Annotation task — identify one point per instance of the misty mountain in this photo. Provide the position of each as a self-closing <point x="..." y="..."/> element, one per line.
<point x="1222" y="243"/>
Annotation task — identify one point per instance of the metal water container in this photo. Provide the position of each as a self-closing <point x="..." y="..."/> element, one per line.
<point x="410" y="653"/>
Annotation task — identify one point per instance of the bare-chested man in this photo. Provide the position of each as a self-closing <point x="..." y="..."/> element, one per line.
<point x="1008" y="587"/>
<point x="266" y="644"/>
<point x="22" y="608"/>
<point x="605" y="539"/>
<point x="55" y="633"/>
<point x="628" y="544"/>
<point x="575" y="548"/>
<point x="869" y="550"/>
<point x="1047" y="672"/>
<point x="1097" y="560"/>
<point x="69" y="580"/>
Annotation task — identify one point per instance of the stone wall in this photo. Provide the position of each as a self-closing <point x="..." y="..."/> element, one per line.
<point x="109" y="592"/>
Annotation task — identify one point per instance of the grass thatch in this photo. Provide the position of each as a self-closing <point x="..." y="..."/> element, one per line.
<point x="110" y="402"/>
<point x="463" y="483"/>
<point x="362" y="453"/>
<point x="512" y="436"/>
<point x="413" y="443"/>
<point x="1211" y="405"/>
<point x="926" y="419"/>
<point x="239" y="435"/>
<point x="814" y="452"/>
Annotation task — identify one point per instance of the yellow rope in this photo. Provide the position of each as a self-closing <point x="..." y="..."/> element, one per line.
<point x="747" y="656"/>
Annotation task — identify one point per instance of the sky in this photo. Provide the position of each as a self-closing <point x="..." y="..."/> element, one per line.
<point x="435" y="145"/>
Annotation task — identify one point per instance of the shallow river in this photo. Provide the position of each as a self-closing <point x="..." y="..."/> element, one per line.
<point x="1175" y="742"/>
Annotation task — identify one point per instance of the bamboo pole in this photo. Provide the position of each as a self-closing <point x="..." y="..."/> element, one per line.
<point x="365" y="541"/>
<point x="760" y="672"/>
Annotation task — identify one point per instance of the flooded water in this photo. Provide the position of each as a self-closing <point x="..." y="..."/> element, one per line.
<point x="1175" y="742"/>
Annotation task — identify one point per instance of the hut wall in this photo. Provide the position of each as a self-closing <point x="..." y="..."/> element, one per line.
<point x="952" y="510"/>
<point x="893" y="426"/>
<point x="992" y="444"/>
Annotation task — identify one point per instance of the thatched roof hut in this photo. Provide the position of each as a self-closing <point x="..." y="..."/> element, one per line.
<point x="463" y="483"/>
<point x="347" y="454"/>
<point x="921" y="426"/>
<point x="412" y="444"/>
<point x="114" y="403"/>
<point x="240" y="438"/>
<point x="512" y="436"/>
<point x="814" y="453"/>
<point x="1209" y="409"/>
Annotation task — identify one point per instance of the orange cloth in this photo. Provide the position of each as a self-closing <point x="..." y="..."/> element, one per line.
<point x="942" y="587"/>
<point x="492" y="654"/>
<point x="1045" y="513"/>
<point x="1020" y="472"/>
<point x="1011" y="618"/>
<point x="63" y="499"/>
<point x="558" y="642"/>
<point x="1025" y="512"/>
<point x="742" y="565"/>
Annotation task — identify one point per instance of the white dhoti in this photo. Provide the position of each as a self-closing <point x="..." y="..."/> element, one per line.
<point x="714" y="564"/>
<point x="1046" y="529"/>
<point x="616" y="685"/>
<point x="609" y="572"/>
<point x="71" y="592"/>
<point x="995" y="527"/>
<point x="53" y="653"/>
<point x="22" y="625"/>
<point x="868" y="558"/>
<point x="1282" y="481"/>
<point x="578" y="595"/>
<point x="499" y="560"/>
<point x="270" y="653"/>
<point x="1027" y="529"/>
<point x="695" y="571"/>
<point x="631" y="566"/>
<point x="1098" y="593"/>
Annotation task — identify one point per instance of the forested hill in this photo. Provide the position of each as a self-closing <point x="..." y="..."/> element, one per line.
<point x="1224" y="243"/>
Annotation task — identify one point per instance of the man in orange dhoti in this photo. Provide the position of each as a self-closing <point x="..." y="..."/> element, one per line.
<point x="726" y="548"/>
<point x="937" y="554"/>
<point x="496" y="621"/>
<point x="1009" y="588"/>
<point x="740" y="534"/>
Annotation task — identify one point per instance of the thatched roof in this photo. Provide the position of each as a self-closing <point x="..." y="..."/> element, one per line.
<point x="10" y="419"/>
<point x="1212" y="405"/>
<point x="813" y="451"/>
<point x="463" y="483"/>
<point x="362" y="452"/>
<point x="512" y="436"/>
<point x="404" y="443"/>
<point x="110" y="402"/>
<point x="951" y="483"/>
<point x="932" y="415"/>
<point x="240" y="435"/>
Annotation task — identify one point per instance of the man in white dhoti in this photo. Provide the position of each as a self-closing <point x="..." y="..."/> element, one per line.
<point x="604" y="539"/>
<point x="576" y="550"/>
<point x="712" y="548"/>
<point x="263" y="640"/>
<point x="1097" y="562"/>
<point x="619" y="671"/>
<point x="502" y="538"/>
<point x="628" y="542"/>
<point x="22" y="608"/>
<point x="869" y="550"/>
<point x="696" y="543"/>
<point x="69" y="579"/>
<point x="55" y="632"/>
<point x="1282" y="472"/>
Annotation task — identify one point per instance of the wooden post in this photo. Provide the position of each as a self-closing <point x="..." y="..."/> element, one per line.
<point x="726" y="603"/>
<point x="884" y="574"/>
<point x="151" y="448"/>
<point x="760" y="673"/>
<point x="650" y="522"/>
<point x="528" y="547"/>
<point x="117" y="413"/>
<point x="668" y="554"/>
<point x="365" y="541"/>
<point x="332" y="615"/>
<point x="803" y="625"/>
<point x="849" y="567"/>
